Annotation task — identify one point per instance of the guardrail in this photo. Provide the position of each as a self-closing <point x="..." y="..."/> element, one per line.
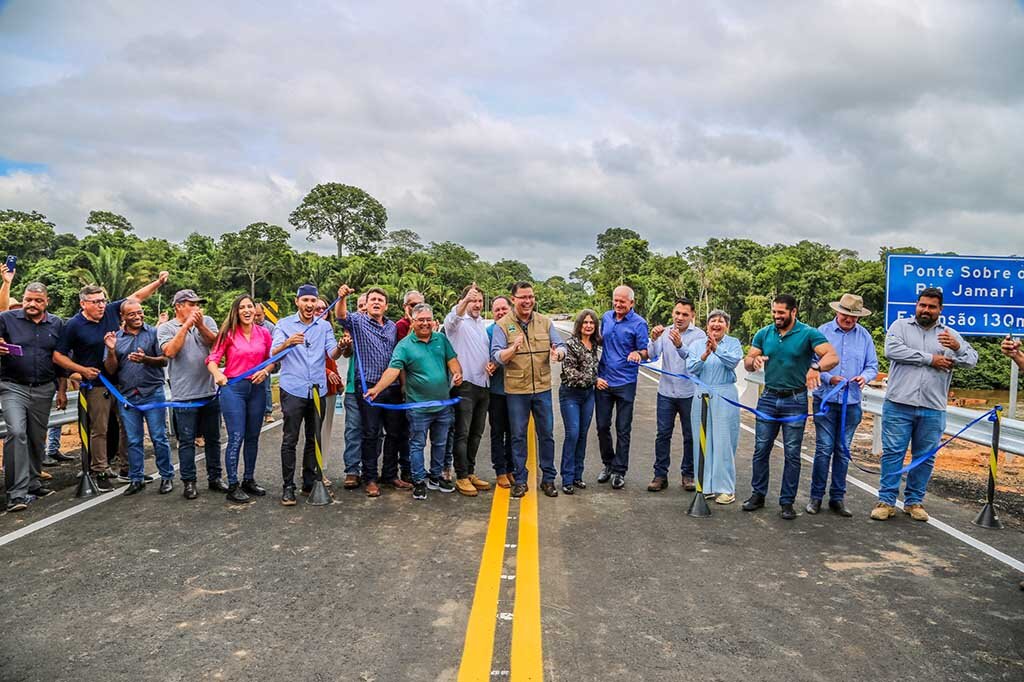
<point x="1011" y="434"/>
<point x="57" y="417"/>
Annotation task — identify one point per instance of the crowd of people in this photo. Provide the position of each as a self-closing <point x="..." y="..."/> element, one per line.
<point x="445" y="377"/>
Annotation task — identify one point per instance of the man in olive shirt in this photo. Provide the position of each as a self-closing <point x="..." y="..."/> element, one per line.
<point x="786" y="351"/>
<point x="427" y="358"/>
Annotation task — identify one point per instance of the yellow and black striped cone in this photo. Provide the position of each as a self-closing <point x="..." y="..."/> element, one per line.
<point x="86" y="486"/>
<point x="987" y="517"/>
<point x="699" y="506"/>
<point x="319" y="495"/>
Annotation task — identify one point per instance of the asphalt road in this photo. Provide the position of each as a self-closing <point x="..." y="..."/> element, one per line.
<point x="630" y="588"/>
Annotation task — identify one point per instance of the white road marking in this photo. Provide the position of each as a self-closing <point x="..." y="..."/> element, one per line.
<point x="79" y="508"/>
<point x="944" y="527"/>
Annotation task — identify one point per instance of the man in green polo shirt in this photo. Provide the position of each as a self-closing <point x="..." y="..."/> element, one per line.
<point x="785" y="350"/>
<point x="427" y="358"/>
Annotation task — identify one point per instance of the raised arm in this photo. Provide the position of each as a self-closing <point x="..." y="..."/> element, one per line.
<point x="150" y="289"/>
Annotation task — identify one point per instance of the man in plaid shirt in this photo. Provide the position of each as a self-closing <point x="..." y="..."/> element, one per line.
<point x="374" y="337"/>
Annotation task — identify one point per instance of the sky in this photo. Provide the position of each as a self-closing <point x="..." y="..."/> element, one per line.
<point x="523" y="129"/>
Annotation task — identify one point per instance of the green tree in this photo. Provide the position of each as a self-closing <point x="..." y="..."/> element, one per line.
<point x="108" y="268"/>
<point x="347" y="214"/>
<point x="403" y="240"/>
<point x="99" y="222"/>
<point x="255" y="252"/>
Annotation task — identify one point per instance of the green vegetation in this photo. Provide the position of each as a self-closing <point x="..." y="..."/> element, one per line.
<point x="738" y="275"/>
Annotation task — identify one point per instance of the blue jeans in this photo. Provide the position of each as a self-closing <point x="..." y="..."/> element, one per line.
<point x="577" y="406"/>
<point x="792" y="437"/>
<point x="204" y="420"/>
<point x="520" y="407"/>
<point x="904" y="425"/>
<point x="242" y="405"/>
<point x="668" y="410"/>
<point x="827" y="449"/>
<point x="269" y="408"/>
<point x="53" y="441"/>
<point x="135" y="422"/>
<point x="353" y="436"/>
<point x="619" y="398"/>
<point x="437" y="424"/>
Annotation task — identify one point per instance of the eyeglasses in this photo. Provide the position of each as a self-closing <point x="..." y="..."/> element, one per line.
<point x="423" y="320"/>
<point x="96" y="301"/>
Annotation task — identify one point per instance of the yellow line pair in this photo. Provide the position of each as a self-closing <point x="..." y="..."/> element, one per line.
<point x="527" y="650"/>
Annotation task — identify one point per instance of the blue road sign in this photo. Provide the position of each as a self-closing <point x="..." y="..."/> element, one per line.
<point x="982" y="296"/>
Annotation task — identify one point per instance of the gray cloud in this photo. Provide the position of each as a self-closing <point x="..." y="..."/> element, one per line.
<point x="523" y="129"/>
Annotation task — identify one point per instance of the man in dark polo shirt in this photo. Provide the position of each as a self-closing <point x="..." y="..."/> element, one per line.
<point x="785" y="350"/>
<point x="80" y="349"/>
<point x="27" y="385"/>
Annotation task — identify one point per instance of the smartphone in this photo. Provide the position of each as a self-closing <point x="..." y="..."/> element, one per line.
<point x="14" y="349"/>
<point x="12" y="262"/>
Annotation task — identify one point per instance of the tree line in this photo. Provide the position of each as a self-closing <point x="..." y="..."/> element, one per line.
<point x="740" y="276"/>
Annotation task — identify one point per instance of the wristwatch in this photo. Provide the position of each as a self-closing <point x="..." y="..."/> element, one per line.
<point x="816" y="367"/>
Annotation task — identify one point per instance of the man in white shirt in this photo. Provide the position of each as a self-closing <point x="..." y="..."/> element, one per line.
<point x="467" y="332"/>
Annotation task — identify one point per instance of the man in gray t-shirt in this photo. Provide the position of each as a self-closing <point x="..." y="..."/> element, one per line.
<point x="186" y="340"/>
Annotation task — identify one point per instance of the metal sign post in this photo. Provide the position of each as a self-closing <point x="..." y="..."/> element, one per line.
<point x="1011" y="410"/>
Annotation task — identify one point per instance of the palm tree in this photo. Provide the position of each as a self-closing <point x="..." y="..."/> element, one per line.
<point x="106" y="268"/>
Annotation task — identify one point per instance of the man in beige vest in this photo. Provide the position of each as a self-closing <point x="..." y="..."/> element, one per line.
<point x="525" y="343"/>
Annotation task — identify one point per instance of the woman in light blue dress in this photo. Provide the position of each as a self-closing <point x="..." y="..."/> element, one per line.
<point x="714" y="363"/>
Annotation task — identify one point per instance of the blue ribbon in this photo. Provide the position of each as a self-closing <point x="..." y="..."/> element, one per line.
<point x="121" y="399"/>
<point x="427" y="404"/>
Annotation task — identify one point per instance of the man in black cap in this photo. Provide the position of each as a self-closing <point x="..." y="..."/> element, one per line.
<point x="186" y="341"/>
<point x="303" y="371"/>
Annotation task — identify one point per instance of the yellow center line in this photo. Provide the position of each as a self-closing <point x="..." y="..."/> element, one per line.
<point x="527" y="650"/>
<point x="478" y="649"/>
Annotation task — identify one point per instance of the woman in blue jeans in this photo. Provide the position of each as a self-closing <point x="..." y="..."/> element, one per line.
<point x="242" y="344"/>
<point x="576" y="396"/>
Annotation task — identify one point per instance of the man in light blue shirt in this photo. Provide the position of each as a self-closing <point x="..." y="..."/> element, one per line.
<point x="675" y="395"/>
<point x="858" y="363"/>
<point x="303" y="371"/>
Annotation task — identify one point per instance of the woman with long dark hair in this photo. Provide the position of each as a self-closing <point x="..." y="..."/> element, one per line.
<point x="242" y="344"/>
<point x="576" y="396"/>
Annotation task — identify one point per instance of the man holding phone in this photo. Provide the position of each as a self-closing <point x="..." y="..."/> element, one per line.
<point x="6" y="277"/>
<point x="28" y="381"/>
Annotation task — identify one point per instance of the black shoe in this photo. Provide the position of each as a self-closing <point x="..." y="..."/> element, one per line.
<point x="288" y="496"/>
<point x="61" y="457"/>
<point x="406" y="476"/>
<point x="813" y="507"/>
<point x="42" y="491"/>
<point x="304" y="491"/>
<point x="788" y="513"/>
<point x="618" y="480"/>
<point x="190" y="490"/>
<point x="134" y="487"/>
<point x="419" y="490"/>
<point x="253" y="488"/>
<point x="236" y="494"/>
<point x="568" y="490"/>
<point x="579" y="485"/>
<point x="102" y="485"/>
<point x="519" y="489"/>
<point x="166" y="486"/>
<point x="838" y="507"/>
<point x="441" y="484"/>
<point x="121" y="476"/>
<point x="605" y="475"/>
<point x="217" y="485"/>
<point x="50" y="462"/>
<point x="148" y="478"/>
<point x="548" y="488"/>
<point x="18" y="504"/>
<point x="755" y="501"/>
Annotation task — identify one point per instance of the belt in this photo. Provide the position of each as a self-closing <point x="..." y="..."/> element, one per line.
<point x="32" y="384"/>
<point x="786" y="394"/>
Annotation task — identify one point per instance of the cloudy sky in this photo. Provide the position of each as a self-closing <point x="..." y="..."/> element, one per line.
<point x="522" y="129"/>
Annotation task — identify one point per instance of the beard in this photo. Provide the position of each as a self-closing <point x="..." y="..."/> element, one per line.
<point x="925" y="319"/>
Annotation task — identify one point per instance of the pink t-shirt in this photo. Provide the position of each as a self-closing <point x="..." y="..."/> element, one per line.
<point x="242" y="353"/>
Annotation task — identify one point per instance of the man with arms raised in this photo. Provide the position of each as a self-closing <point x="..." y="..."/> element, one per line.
<point x="922" y="352"/>
<point x="786" y="351"/>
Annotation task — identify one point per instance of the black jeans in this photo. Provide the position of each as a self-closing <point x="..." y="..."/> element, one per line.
<point x="619" y="398"/>
<point x="501" y="434"/>
<point x="399" y="442"/>
<point x="298" y="412"/>
<point x="374" y="420"/>
<point x="470" y="419"/>
<point x="668" y="410"/>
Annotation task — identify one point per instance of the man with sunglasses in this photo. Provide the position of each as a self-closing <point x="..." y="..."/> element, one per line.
<point x="80" y="350"/>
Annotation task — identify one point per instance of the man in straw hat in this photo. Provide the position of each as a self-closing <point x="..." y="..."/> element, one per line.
<point x="858" y="363"/>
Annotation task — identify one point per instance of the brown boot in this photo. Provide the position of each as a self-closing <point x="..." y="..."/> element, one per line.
<point x="399" y="484"/>
<point x="503" y="481"/>
<point x="479" y="483"/>
<point x="466" y="487"/>
<point x="883" y="512"/>
<point x="658" y="484"/>
<point x="351" y="482"/>
<point x="916" y="512"/>
<point x="372" y="489"/>
<point x="688" y="483"/>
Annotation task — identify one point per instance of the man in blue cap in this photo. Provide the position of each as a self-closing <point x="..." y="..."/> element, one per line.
<point x="303" y="371"/>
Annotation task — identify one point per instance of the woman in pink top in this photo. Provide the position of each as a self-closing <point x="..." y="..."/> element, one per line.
<point x="241" y="344"/>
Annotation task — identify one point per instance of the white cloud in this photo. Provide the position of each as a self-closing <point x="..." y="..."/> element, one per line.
<point x="523" y="129"/>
